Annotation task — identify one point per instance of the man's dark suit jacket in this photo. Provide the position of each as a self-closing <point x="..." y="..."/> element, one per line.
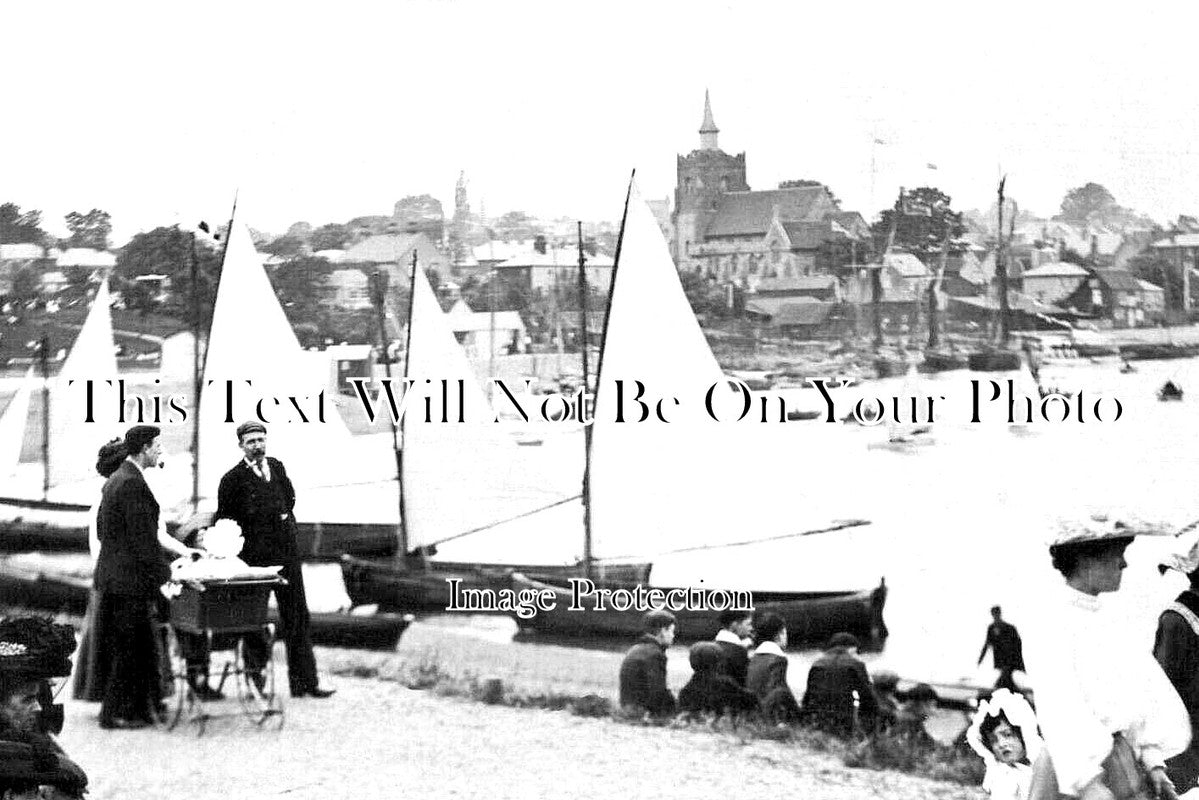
<point x="832" y="680"/>
<point x="767" y="679"/>
<point x="263" y="510"/>
<point x="130" y="561"/>
<point x="735" y="662"/>
<point x="643" y="678"/>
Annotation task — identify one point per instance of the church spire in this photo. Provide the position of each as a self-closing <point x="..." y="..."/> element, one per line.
<point x="708" y="131"/>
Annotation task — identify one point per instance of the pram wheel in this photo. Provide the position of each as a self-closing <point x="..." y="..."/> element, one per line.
<point x="256" y="691"/>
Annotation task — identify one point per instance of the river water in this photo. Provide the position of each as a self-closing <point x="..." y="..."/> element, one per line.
<point x="958" y="522"/>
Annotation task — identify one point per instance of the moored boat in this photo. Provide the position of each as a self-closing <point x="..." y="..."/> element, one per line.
<point x="994" y="360"/>
<point x="810" y="616"/>
<point x="941" y="361"/>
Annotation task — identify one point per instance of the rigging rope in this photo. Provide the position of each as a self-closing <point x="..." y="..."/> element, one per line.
<point x="840" y="526"/>
<point x="490" y="525"/>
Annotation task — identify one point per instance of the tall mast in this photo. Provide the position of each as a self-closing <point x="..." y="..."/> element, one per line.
<point x="44" y="361"/>
<point x="402" y="527"/>
<point x="1001" y="274"/>
<point x="201" y="364"/>
<point x="934" y="323"/>
<point x="599" y="375"/>
<point x="587" y="566"/>
<point x="196" y="379"/>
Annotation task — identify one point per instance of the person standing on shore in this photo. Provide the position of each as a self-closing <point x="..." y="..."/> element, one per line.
<point x="129" y="571"/>
<point x="1176" y="648"/>
<point x="735" y="629"/>
<point x="1109" y="714"/>
<point x="259" y="497"/>
<point x="1007" y="652"/>
<point x="643" y="671"/>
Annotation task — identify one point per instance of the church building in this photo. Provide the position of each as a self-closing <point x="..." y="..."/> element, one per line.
<point x="730" y="233"/>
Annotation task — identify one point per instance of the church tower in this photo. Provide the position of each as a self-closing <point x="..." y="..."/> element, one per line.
<point x="703" y="176"/>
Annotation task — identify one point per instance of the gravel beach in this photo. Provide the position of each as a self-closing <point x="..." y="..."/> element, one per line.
<point x="380" y="739"/>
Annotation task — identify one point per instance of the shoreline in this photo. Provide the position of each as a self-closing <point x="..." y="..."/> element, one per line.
<point x="380" y="736"/>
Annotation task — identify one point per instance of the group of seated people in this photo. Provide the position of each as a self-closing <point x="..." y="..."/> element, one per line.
<point x="840" y="696"/>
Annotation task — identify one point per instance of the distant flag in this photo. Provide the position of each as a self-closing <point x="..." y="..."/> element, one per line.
<point x="932" y="166"/>
<point x="879" y="141"/>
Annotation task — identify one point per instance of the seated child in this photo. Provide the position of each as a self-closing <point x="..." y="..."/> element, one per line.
<point x="1004" y="733"/>
<point x="710" y="689"/>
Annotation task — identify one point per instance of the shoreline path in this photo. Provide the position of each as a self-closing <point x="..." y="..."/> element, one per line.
<point x="381" y="739"/>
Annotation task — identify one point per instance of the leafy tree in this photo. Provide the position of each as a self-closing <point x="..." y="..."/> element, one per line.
<point x="300" y="230"/>
<point x="89" y="230"/>
<point x="300" y="285"/>
<point x="1072" y="256"/>
<point x="26" y="285"/>
<point x="922" y="217"/>
<point x="704" y="294"/>
<point x="1088" y="202"/>
<point x="168" y="251"/>
<point x="287" y="246"/>
<point x="138" y="295"/>
<point x="803" y="183"/>
<point x="330" y="237"/>
<point x="516" y="225"/>
<point x="1161" y="271"/>
<point x="18" y="228"/>
<point x="836" y="255"/>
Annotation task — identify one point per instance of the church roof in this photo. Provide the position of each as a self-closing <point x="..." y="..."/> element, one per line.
<point x="749" y="213"/>
<point x="808" y="235"/>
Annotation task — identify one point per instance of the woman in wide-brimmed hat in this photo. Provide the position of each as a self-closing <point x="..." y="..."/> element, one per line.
<point x="1109" y="715"/>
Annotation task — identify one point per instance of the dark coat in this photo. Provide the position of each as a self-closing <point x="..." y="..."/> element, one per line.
<point x="130" y="561"/>
<point x="643" y="678"/>
<point x="828" y="700"/>
<point x="1176" y="648"/>
<point x="711" y="691"/>
<point x="263" y="510"/>
<point x="735" y="663"/>
<point x="1007" y="651"/>
<point x="766" y="678"/>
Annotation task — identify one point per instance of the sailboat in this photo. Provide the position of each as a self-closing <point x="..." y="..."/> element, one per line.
<point x="254" y="368"/>
<point x="664" y="491"/>
<point x="45" y="504"/>
<point x="476" y="505"/>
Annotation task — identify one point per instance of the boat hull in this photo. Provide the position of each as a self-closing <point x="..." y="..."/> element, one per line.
<point x="396" y="586"/>
<point x="28" y="525"/>
<point x="994" y="361"/>
<point x="810" y="616"/>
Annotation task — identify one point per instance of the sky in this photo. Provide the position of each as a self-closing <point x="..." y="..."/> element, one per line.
<point x="160" y="112"/>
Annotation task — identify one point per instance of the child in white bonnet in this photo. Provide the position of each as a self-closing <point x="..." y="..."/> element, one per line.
<point x="1004" y="733"/>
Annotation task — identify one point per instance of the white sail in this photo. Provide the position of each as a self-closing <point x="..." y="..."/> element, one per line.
<point x="74" y="439"/>
<point x="469" y="475"/>
<point x="253" y="348"/>
<point x="657" y="488"/>
<point x="12" y="424"/>
<point x="654" y="484"/>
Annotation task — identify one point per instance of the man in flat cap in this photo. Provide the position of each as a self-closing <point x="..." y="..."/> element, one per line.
<point x="257" y="495"/>
<point x="129" y="570"/>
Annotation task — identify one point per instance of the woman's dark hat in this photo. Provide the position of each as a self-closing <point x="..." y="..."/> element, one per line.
<point x="36" y="647"/>
<point x="139" y="436"/>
